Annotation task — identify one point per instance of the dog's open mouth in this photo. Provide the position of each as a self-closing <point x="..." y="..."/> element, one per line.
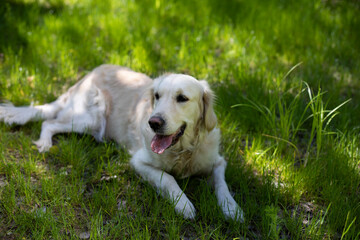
<point x="160" y="143"/>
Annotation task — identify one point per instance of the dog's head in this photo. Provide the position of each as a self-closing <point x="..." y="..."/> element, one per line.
<point x="182" y="107"/>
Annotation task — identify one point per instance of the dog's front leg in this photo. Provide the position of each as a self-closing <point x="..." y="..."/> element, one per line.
<point x="227" y="203"/>
<point x="164" y="182"/>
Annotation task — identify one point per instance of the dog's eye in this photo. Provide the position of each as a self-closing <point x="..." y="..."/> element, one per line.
<point x="181" y="98"/>
<point x="157" y="96"/>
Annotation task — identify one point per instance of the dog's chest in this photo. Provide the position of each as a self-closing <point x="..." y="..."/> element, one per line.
<point x="186" y="164"/>
<point x="183" y="164"/>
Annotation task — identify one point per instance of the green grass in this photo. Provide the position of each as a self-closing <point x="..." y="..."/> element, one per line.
<point x="287" y="77"/>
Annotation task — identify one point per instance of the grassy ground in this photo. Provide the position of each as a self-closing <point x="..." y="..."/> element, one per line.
<point x="283" y="72"/>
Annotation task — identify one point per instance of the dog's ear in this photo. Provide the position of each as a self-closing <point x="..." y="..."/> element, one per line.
<point x="209" y="116"/>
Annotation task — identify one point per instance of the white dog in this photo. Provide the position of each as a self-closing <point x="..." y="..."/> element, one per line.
<point x="168" y="125"/>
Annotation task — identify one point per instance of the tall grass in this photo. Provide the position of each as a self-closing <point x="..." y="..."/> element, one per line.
<point x="285" y="124"/>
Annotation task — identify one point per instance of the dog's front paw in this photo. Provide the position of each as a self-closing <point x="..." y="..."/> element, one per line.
<point x="186" y="208"/>
<point x="232" y="211"/>
<point x="43" y="145"/>
<point x="189" y="212"/>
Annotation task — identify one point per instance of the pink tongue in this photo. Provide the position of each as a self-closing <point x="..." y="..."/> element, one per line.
<point x="160" y="143"/>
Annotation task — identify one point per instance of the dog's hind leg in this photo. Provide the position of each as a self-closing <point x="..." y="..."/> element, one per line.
<point x="52" y="127"/>
<point x="21" y="115"/>
<point x="84" y="113"/>
<point x="82" y="123"/>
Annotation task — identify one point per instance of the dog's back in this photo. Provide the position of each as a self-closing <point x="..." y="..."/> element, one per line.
<point x="128" y="95"/>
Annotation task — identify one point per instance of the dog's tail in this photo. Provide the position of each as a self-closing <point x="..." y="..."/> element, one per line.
<point x="21" y="115"/>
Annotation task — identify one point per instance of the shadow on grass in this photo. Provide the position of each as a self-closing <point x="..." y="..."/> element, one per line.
<point x="15" y="14"/>
<point x="19" y="18"/>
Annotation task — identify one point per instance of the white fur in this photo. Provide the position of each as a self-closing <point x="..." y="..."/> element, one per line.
<point x="113" y="102"/>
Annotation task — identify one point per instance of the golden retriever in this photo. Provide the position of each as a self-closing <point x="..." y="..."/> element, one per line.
<point x="168" y="125"/>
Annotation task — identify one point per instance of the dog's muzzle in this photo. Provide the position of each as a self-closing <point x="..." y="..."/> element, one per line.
<point x="160" y="142"/>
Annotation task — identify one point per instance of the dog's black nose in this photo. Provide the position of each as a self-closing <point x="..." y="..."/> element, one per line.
<point x="156" y="123"/>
